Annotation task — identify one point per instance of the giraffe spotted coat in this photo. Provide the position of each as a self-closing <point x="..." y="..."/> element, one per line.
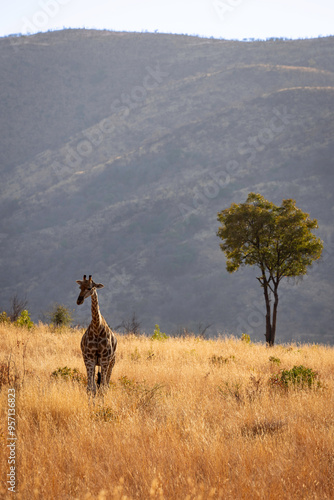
<point x="98" y="344"/>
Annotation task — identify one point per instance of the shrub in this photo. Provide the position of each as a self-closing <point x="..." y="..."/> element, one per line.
<point x="274" y="360"/>
<point x="60" y="316"/>
<point x="245" y="338"/>
<point x="220" y="360"/>
<point x="158" y="335"/>
<point x="68" y="375"/>
<point x="299" y="377"/>
<point x="4" y="318"/>
<point x="106" y="414"/>
<point x="24" y="320"/>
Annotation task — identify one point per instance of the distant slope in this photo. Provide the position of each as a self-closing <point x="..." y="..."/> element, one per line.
<point x="118" y="150"/>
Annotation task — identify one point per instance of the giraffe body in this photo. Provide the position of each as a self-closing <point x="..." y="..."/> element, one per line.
<point x="98" y="344"/>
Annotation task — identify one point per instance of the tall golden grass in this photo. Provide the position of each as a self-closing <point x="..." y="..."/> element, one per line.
<point x="184" y="418"/>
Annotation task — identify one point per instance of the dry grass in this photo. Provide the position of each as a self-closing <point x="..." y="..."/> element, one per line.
<point x="183" y="419"/>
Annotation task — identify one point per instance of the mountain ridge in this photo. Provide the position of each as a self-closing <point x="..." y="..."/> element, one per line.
<point x="118" y="152"/>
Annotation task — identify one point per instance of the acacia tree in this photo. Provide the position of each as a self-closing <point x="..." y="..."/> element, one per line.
<point x="277" y="239"/>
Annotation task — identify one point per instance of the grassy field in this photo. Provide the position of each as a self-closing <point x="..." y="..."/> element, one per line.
<point x="184" y="418"/>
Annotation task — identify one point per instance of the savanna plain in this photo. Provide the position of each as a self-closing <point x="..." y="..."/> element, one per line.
<point x="184" y="418"/>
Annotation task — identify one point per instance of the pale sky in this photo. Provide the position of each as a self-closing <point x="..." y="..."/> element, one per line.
<point x="229" y="19"/>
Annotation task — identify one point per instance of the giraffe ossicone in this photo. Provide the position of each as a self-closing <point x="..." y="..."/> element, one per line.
<point x="98" y="344"/>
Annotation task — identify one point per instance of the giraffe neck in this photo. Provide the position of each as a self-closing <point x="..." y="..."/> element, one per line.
<point x="96" y="315"/>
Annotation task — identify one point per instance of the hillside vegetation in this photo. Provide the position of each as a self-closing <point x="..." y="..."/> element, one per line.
<point x="184" y="418"/>
<point x="118" y="150"/>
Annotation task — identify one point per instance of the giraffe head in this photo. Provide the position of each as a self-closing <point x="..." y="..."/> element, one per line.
<point x="87" y="287"/>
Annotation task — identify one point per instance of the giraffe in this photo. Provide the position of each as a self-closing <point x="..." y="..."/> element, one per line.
<point x="98" y="344"/>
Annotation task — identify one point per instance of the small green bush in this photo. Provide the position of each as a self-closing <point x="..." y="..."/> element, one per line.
<point x="274" y="360"/>
<point x="245" y="338"/>
<point x="60" y="316"/>
<point x="158" y="335"/>
<point x="68" y="375"/>
<point x="24" y="320"/>
<point x="105" y="414"/>
<point x="220" y="360"/>
<point x="4" y="318"/>
<point x="299" y="377"/>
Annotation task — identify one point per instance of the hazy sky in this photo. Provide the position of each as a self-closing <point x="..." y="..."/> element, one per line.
<point x="218" y="18"/>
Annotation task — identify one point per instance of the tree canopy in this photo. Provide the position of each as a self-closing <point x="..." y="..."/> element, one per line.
<point x="277" y="239"/>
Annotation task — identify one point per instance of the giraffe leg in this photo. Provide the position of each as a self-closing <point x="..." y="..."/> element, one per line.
<point x="110" y="367"/>
<point x="91" y="387"/>
<point x="103" y="377"/>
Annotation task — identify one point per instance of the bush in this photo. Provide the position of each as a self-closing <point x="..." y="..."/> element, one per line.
<point x="158" y="335"/>
<point x="68" y="375"/>
<point x="60" y="316"/>
<point x="298" y="377"/>
<point x="245" y="338"/>
<point x="24" y="320"/>
<point x="4" y="318"/>
<point x="106" y="414"/>
<point x="274" y="360"/>
<point x="220" y="360"/>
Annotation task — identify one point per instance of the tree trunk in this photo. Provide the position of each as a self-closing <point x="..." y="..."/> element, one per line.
<point x="268" y="315"/>
<point x="270" y="324"/>
<point x="273" y="327"/>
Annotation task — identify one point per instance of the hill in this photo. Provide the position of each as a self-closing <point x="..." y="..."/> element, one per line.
<point x="119" y="149"/>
